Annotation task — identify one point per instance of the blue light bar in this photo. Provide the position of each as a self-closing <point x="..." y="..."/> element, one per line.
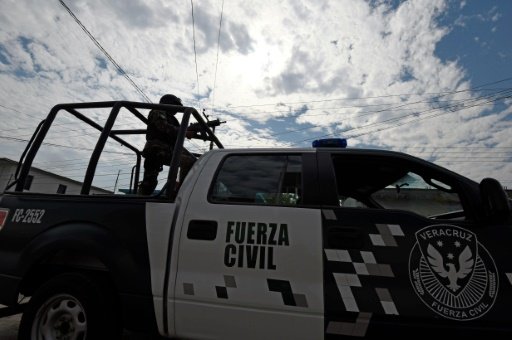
<point x="330" y="143"/>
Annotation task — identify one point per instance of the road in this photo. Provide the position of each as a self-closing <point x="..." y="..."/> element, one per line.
<point x="9" y="327"/>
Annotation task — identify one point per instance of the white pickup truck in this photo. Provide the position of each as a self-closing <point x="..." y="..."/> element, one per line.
<point x="305" y="243"/>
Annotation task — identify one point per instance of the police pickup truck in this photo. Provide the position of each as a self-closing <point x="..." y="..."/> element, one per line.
<point x="311" y="243"/>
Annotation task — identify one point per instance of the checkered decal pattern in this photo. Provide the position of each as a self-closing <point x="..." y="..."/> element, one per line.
<point x="386" y="235"/>
<point x="222" y="291"/>
<point x="356" y="282"/>
<point x="289" y="297"/>
<point x="188" y="289"/>
<point x="357" y="328"/>
<point x="386" y="301"/>
<point x="356" y="265"/>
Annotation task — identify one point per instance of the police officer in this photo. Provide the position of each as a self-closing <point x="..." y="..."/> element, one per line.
<point x="162" y="131"/>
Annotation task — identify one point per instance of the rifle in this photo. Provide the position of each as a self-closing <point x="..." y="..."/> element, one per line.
<point x="200" y="132"/>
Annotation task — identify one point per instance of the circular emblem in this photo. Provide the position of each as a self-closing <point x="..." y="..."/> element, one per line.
<point x="452" y="273"/>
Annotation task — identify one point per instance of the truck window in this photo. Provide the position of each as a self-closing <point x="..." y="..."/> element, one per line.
<point x="384" y="183"/>
<point x="259" y="179"/>
<point x="411" y="192"/>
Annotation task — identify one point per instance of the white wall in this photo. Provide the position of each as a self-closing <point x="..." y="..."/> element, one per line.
<point x="43" y="182"/>
<point x="6" y="172"/>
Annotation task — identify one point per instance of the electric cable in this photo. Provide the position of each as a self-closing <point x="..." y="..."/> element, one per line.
<point x="217" y="59"/>
<point x="195" y="52"/>
<point x="102" y="49"/>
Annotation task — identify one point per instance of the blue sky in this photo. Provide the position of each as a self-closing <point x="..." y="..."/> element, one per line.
<point x="478" y="38"/>
<point x="431" y="78"/>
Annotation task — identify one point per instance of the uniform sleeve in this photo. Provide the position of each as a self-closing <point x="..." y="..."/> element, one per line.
<point x="158" y="120"/>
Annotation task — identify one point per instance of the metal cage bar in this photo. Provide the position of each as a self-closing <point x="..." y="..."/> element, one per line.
<point x="107" y="132"/>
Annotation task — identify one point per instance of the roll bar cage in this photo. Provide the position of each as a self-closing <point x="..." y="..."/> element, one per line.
<point x="37" y="139"/>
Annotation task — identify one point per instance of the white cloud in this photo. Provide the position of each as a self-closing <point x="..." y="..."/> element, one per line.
<point x="291" y="54"/>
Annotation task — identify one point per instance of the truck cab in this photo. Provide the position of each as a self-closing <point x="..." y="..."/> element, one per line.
<point x="264" y="243"/>
<point x="334" y="242"/>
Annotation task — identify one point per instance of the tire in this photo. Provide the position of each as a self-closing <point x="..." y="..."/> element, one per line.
<point x="71" y="306"/>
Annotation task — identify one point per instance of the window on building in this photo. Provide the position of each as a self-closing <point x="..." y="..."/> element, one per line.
<point x="28" y="182"/>
<point x="259" y="179"/>
<point x="61" y="189"/>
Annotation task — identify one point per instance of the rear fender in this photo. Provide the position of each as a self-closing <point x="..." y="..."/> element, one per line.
<point x="86" y="239"/>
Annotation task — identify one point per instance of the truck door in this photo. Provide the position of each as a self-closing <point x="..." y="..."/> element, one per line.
<point x="250" y="253"/>
<point x="403" y="248"/>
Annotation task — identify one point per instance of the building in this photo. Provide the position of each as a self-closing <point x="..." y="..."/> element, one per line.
<point x="42" y="181"/>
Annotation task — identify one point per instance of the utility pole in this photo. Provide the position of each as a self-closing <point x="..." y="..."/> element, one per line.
<point x="213" y="127"/>
<point x="211" y="142"/>
<point x="117" y="178"/>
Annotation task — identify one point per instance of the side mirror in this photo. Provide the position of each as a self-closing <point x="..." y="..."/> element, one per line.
<point x="496" y="202"/>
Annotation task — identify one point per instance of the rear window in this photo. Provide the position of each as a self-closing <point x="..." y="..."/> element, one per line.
<point x="259" y="179"/>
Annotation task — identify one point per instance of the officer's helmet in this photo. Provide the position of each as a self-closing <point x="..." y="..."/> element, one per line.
<point x="171" y="100"/>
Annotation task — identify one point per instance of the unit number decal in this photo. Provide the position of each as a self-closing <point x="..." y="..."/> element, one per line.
<point x="28" y="216"/>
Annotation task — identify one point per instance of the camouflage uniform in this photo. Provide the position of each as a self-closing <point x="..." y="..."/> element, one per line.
<point x="161" y="135"/>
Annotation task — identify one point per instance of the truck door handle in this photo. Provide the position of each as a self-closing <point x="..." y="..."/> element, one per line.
<point x="202" y="230"/>
<point x="345" y="238"/>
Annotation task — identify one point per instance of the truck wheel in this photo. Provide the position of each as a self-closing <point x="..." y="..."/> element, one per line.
<point x="70" y="306"/>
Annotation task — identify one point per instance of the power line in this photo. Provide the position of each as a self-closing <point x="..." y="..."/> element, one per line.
<point x="73" y="165"/>
<point x="83" y="129"/>
<point x="217" y="59"/>
<point x="18" y="111"/>
<point x="399" y="107"/>
<point x="469" y="161"/>
<point x="99" y="169"/>
<point x="195" y="52"/>
<point x="109" y="57"/>
<point x="60" y="145"/>
<point x="80" y="161"/>
<point x="448" y="156"/>
<point x="427" y="117"/>
<point x="375" y="97"/>
<point x="459" y="147"/>
<point x="394" y="108"/>
<point x="358" y="115"/>
<point x="10" y="108"/>
<point x="455" y="109"/>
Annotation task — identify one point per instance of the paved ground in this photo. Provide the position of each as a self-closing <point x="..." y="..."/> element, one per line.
<point x="9" y="327"/>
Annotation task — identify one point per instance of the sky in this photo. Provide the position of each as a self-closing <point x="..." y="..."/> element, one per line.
<point x="431" y="78"/>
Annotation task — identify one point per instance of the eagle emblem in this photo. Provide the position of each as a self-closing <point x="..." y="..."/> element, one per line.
<point x="453" y="273"/>
<point x="465" y="266"/>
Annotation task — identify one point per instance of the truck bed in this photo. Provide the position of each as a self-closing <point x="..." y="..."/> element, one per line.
<point x="43" y="231"/>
